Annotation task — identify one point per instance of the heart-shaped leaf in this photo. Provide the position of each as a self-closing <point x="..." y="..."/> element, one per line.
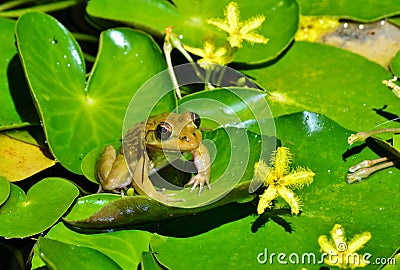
<point x="189" y="21"/>
<point x="25" y="215"/>
<point x="17" y="109"/>
<point x="78" y="116"/>
<point x="365" y="11"/>
<point x="366" y="206"/>
<point x="328" y="80"/>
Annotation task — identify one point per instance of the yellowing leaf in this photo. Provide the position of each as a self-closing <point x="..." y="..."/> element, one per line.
<point x="19" y="160"/>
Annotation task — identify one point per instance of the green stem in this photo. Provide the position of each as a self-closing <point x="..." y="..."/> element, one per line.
<point x="13" y="4"/>
<point x="362" y="136"/>
<point x="221" y="74"/>
<point x="42" y="8"/>
<point x="167" y="51"/>
<point x="85" y="37"/>
<point x="176" y="43"/>
<point x="366" y="168"/>
<point x="207" y="79"/>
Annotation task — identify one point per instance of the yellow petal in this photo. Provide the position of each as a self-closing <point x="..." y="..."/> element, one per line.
<point x="281" y="160"/>
<point x="235" y="40"/>
<point x="266" y="199"/>
<point x="290" y="198"/>
<point x="326" y="246"/>
<point x="220" y="53"/>
<point x="252" y="24"/>
<point x="255" y="38"/>
<point x="196" y="51"/>
<point x="221" y="24"/>
<point x="358" y="241"/>
<point x="232" y="15"/>
<point x="298" y="178"/>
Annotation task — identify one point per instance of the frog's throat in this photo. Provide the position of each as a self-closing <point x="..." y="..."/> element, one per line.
<point x="161" y="157"/>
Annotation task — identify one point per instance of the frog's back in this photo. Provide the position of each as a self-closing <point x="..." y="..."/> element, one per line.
<point x="133" y="144"/>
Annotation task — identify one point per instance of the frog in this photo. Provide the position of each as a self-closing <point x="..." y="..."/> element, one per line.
<point x="147" y="147"/>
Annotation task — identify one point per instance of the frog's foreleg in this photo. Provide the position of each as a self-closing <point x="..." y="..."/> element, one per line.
<point x="202" y="162"/>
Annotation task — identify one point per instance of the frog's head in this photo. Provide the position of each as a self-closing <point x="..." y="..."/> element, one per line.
<point x="174" y="132"/>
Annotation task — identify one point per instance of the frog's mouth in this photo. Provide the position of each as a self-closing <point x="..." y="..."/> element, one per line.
<point x="171" y="148"/>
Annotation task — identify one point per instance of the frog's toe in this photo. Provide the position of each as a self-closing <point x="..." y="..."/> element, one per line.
<point x="199" y="180"/>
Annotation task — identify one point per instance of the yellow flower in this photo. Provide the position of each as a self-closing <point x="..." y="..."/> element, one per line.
<point x="280" y="180"/>
<point x="237" y="30"/>
<point x="210" y="55"/>
<point x="341" y="253"/>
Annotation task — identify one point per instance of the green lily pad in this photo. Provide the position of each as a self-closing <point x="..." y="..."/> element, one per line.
<point x="149" y="262"/>
<point x="41" y="207"/>
<point x="365" y="11"/>
<point x="231" y="106"/>
<point x="88" y="166"/>
<point x="395" y="20"/>
<point x="4" y="189"/>
<point x="189" y="21"/>
<point x="37" y="262"/>
<point x="395" y="64"/>
<point x="366" y="206"/>
<point x="71" y="108"/>
<point x="339" y="84"/>
<point x="17" y="109"/>
<point x="124" y="248"/>
<point x="54" y="253"/>
<point x="87" y="205"/>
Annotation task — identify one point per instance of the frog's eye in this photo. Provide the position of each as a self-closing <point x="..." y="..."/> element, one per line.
<point x="196" y="119"/>
<point x="163" y="131"/>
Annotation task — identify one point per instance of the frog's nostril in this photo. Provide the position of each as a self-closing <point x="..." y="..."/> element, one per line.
<point x="185" y="138"/>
